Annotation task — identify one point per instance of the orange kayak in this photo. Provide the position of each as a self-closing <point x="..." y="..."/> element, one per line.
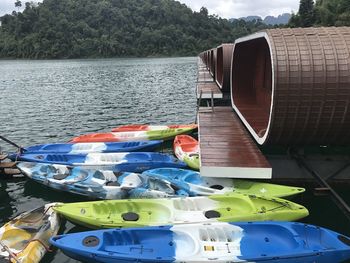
<point x="95" y="137"/>
<point x="145" y="127"/>
<point x="186" y="149"/>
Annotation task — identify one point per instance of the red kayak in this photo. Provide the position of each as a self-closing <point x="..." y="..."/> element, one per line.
<point x="145" y="127"/>
<point x="186" y="149"/>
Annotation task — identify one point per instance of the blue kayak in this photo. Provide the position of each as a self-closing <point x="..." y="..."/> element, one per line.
<point x="282" y="242"/>
<point x="96" y="184"/>
<point x="120" y="162"/>
<point x="194" y="184"/>
<point x="78" y="148"/>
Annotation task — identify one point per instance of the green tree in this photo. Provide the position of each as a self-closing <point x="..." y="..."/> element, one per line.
<point x="306" y="16"/>
<point x="18" y="4"/>
<point x="306" y="13"/>
<point x="110" y="28"/>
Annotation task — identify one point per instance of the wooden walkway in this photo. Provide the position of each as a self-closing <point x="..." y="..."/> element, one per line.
<point x="226" y="148"/>
<point x="204" y="76"/>
<point x="206" y="86"/>
<point x="206" y="89"/>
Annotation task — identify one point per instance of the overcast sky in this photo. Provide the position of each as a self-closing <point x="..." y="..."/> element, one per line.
<point x="223" y="8"/>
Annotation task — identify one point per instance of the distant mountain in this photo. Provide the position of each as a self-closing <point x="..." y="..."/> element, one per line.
<point x="281" y="19"/>
<point x="269" y="20"/>
<point x="251" y="18"/>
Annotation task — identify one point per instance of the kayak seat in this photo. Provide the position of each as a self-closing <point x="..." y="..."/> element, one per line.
<point x="193" y="178"/>
<point x="16" y="238"/>
<point x="312" y="235"/>
<point x="189" y="147"/>
<point x="118" y="237"/>
<point x="60" y="176"/>
<point x="188" y="245"/>
<point x="112" y="183"/>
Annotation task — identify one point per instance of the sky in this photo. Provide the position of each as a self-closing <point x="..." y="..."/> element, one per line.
<point x="222" y="8"/>
<point x="242" y="8"/>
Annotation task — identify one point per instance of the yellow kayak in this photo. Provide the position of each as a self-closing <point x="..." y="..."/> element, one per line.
<point x="26" y="237"/>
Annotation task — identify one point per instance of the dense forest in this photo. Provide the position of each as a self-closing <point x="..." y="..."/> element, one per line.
<point x="120" y="28"/>
<point x="322" y="13"/>
<point x="114" y="28"/>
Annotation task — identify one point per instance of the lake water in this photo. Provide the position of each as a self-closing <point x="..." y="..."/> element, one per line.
<point x="52" y="101"/>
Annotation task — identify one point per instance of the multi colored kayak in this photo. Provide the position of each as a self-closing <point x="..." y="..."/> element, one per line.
<point x="118" y="162"/>
<point x="153" y="212"/>
<point x="194" y="184"/>
<point x="76" y="148"/>
<point x="145" y="127"/>
<point x="186" y="149"/>
<point x="97" y="184"/>
<point x="274" y="242"/>
<point x="26" y="237"/>
<point x="131" y="135"/>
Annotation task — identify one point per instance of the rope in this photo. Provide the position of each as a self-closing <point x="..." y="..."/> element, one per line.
<point x="14" y="255"/>
<point x="8" y="250"/>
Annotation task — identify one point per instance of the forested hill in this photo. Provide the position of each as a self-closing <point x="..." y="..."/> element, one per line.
<point x="114" y="28"/>
<point x="322" y="13"/>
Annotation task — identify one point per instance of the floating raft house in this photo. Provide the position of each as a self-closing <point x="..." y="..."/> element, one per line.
<point x="285" y="96"/>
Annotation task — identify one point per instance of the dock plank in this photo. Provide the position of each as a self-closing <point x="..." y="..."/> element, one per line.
<point x="204" y="76"/>
<point x="226" y="147"/>
<point x="207" y="88"/>
<point x="3" y="157"/>
<point x="4" y="165"/>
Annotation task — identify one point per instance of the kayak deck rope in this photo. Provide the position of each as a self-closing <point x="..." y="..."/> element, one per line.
<point x="11" y="254"/>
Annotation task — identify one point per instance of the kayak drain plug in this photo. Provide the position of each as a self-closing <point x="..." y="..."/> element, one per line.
<point x="91" y="241"/>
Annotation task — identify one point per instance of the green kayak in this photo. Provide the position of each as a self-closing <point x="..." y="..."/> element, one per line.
<point x="265" y="189"/>
<point x="152" y="212"/>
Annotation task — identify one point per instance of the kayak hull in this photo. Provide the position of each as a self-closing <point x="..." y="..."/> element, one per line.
<point x="78" y="148"/>
<point x="120" y="162"/>
<point x="194" y="184"/>
<point x="186" y="149"/>
<point x="96" y="184"/>
<point x="152" y="212"/>
<point x="27" y="235"/>
<point x="167" y="134"/>
<point x="283" y="242"/>
<point x="145" y="127"/>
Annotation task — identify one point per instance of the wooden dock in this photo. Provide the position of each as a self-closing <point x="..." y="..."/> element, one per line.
<point x="204" y="76"/>
<point x="226" y="148"/>
<point x="8" y="168"/>
<point x="206" y="86"/>
<point x="208" y="90"/>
